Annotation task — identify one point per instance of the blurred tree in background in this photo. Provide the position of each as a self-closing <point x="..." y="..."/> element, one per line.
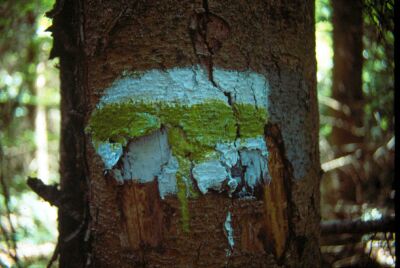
<point x="356" y="87"/>
<point x="29" y="127"/>
<point x="359" y="174"/>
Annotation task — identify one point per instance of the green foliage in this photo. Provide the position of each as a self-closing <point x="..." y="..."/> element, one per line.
<point x="378" y="67"/>
<point x="378" y="71"/>
<point x="367" y="180"/>
<point x="26" y="81"/>
<point x="322" y="11"/>
<point x="324" y="53"/>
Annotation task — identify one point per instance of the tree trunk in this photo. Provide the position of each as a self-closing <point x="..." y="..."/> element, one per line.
<point x="347" y="84"/>
<point x="189" y="134"/>
<point x="347" y="69"/>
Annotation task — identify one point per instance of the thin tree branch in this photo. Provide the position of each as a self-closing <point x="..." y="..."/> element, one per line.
<point x="55" y="255"/>
<point x="6" y="195"/>
<point x="339" y="240"/>
<point x="7" y="239"/>
<point x="12" y="240"/>
<point x="60" y="243"/>
<point x="52" y="195"/>
<point x="49" y="193"/>
<point x="386" y="224"/>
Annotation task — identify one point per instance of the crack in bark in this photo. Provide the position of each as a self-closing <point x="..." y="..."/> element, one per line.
<point x="254" y="97"/>
<point x="207" y="32"/>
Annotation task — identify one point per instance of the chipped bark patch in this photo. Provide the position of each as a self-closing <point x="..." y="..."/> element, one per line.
<point x="251" y="240"/>
<point x="180" y="129"/>
<point x="276" y="196"/>
<point x="142" y="215"/>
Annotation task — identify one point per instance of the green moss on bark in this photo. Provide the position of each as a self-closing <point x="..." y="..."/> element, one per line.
<point x="251" y="120"/>
<point x="193" y="132"/>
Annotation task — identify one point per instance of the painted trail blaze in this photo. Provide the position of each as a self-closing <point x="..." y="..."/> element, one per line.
<point x="187" y="133"/>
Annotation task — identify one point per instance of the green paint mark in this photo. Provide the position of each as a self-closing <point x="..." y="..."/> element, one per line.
<point x="209" y="123"/>
<point x="132" y="73"/>
<point x="251" y="120"/>
<point x="184" y="202"/>
<point x="193" y="132"/>
<point x="119" y="122"/>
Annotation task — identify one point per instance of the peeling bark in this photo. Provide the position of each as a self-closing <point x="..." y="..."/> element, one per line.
<point x="142" y="216"/>
<point x="276" y="194"/>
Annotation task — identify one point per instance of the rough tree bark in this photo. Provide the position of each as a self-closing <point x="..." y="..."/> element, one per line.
<point x="189" y="133"/>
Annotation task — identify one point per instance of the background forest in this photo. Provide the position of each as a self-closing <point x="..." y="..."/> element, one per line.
<point x="358" y="164"/>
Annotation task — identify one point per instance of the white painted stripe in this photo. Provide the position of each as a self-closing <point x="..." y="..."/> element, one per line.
<point x="188" y="86"/>
<point x="150" y="156"/>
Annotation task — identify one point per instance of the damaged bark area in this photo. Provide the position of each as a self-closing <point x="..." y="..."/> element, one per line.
<point x="276" y="193"/>
<point x="207" y="31"/>
<point x="186" y="135"/>
<point x="148" y="169"/>
<point x="142" y="216"/>
<point x="181" y="169"/>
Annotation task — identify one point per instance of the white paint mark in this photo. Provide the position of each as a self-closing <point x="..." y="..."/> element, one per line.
<point x="189" y="85"/>
<point x="229" y="153"/>
<point x="229" y="230"/>
<point x="254" y="155"/>
<point x="256" y="167"/>
<point x="245" y="87"/>
<point x="185" y="86"/>
<point x="209" y="175"/>
<point x="150" y="156"/>
<point x="145" y="157"/>
<point x="256" y="143"/>
<point x="167" y="178"/>
<point x="109" y="153"/>
<point x="233" y="184"/>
